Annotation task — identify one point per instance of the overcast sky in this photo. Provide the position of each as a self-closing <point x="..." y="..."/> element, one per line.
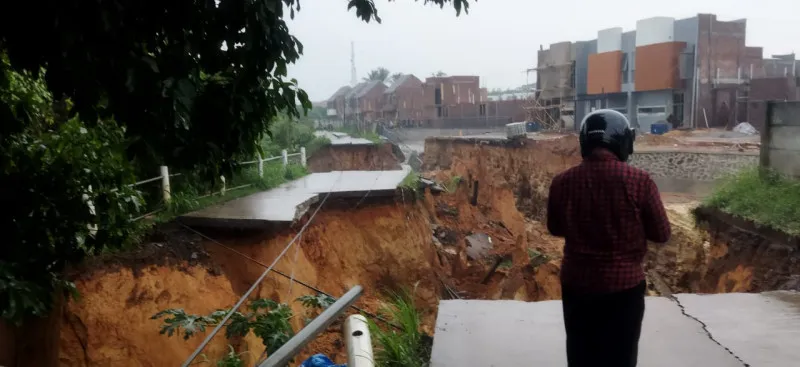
<point x="498" y="39"/>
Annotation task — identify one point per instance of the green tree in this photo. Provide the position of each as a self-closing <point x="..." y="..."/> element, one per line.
<point x="64" y="195"/>
<point x="380" y="74"/>
<point x="396" y="76"/>
<point x="189" y="84"/>
<point x="439" y="74"/>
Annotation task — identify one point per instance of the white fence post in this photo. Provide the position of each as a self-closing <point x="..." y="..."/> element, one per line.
<point x="303" y="156"/>
<point x="222" y="192"/>
<point x="285" y="158"/>
<point x="260" y="166"/>
<point x="165" y="189"/>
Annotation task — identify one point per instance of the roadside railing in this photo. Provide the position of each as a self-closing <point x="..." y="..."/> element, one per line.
<point x="166" y="187"/>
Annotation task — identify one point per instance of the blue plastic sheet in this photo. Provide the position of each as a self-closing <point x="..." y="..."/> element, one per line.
<point x="320" y="360"/>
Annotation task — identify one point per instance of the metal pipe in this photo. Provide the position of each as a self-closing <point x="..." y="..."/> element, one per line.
<point x="284" y="354"/>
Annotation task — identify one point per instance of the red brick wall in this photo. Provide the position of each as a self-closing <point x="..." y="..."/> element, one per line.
<point x="720" y="45"/>
<point x="410" y="100"/>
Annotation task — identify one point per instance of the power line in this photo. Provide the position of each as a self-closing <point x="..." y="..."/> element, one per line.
<point x="287" y="276"/>
<point x="257" y="282"/>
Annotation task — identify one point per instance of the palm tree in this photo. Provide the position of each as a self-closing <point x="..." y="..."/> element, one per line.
<point x="396" y="76"/>
<point x="379" y="74"/>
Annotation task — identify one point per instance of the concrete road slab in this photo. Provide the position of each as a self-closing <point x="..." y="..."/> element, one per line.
<point x="761" y="329"/>
<point x="290" y="201"/>
<point x="514" y="333"/>
<point x="338" y="138"/>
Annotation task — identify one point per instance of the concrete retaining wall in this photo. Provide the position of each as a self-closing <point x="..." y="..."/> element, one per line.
<point x="692" y="165"/>
<point x="780" y="147"/>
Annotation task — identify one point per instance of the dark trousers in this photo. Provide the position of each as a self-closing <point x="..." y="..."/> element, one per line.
<point x="603" y="329"/>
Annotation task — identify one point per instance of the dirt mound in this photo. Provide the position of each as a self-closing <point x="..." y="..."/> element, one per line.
<point x="356" y="157"/>
<point x="678" y="133"/>
<point x="657" y="140"/>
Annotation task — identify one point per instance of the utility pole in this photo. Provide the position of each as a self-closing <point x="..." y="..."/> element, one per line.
<point x="352" y="64"/>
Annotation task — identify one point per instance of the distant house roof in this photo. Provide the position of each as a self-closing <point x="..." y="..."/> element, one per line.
<point x="397" y="83"/>
<point x="361" y="89"/>
<point x="340" y="93"/>
<point x="352" y="92"/>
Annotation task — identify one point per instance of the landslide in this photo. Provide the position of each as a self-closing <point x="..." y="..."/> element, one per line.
<point x="722" y="254"/>
<point x="501" y="192"/>
<point x="353" y="157"/>
<point x="511" y="179"/>
<point x="379" y="245"/>
<point x="484" y="239"/>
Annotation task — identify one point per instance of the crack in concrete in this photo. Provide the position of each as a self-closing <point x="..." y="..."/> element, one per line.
<point x="705" y="329"/>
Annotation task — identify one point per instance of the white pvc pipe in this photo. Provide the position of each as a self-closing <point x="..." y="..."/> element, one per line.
<point x="358" y="342"/>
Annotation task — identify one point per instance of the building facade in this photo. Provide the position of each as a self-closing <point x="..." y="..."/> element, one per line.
<point x="404" y="101"/>
<point x="693" y="72"/>
<point x="365" y="101"/>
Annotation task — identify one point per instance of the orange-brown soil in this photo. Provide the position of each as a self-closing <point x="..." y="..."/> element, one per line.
<point x="498" y="189"/>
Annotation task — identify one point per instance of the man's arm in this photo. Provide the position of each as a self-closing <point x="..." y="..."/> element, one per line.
<point x="555" y="219"/>
<point x="654" y="216"/>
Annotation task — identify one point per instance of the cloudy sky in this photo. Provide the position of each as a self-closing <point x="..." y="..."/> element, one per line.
<point x="498" y="39"/>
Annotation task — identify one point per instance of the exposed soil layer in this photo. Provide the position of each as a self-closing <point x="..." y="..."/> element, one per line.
<point x="522" y="168"/>
<point x="369" y="157"/>
<point x="485" y="239"/>
<point x="744" y="257"/>
<point x="377" y="245"/>
<point x="724" y="254"/>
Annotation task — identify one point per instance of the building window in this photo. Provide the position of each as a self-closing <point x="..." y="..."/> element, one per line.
<point x="572" y="75"/>
<point x="482" y="110"/>
<point x="677" y="106"/>
<point x="624" y="70"/>
<point x="439" y="111"/>
<point x="652" y="110"/>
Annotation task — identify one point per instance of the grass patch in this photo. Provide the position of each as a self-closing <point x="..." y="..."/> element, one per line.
<point x="369" y="135"/>
<point x="764" y="197"/>
<point x="536" y="258"/>
<point x="452" y="185"/>
<point x="406" y="347"/>
<point x="410" y="182"/>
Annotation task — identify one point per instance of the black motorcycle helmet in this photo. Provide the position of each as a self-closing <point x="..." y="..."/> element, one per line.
<point x="607" y="129"/>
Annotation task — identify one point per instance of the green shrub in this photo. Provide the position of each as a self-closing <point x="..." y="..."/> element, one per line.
<point x="407" y="346"/>
<point x="67" y="185"/>
<point x="291" y="135"/>
<point x="265" y="318"/>
<point x="762" y="196"/>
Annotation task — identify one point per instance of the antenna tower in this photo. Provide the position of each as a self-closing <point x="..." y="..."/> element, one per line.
<point x="352" y="64"/>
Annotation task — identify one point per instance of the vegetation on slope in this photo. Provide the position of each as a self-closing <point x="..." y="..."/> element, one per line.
<point x="764" y="197"/>
<point x="406" y="347"/>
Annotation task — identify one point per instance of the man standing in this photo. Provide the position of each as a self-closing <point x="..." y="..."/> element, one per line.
<point x="606" y="210"/>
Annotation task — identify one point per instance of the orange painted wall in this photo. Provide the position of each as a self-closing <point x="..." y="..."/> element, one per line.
<point x="604" y="75"/>
<point x="657" y="66"/>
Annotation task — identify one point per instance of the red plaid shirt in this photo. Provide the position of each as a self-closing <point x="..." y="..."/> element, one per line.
<point x="606" y="210"/>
